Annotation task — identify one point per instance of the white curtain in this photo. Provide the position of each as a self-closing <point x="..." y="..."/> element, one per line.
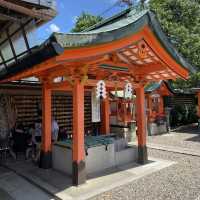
<point x="95" y="107"/>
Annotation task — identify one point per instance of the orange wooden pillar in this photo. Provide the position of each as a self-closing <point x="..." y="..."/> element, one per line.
<point x="78" y="148"/>
<point x="161" y="105"/>
<point x="105" y="112"/>
<point x="149" y="103"/>
<point x="46" y="150"/>
<point x="141" y="125"/>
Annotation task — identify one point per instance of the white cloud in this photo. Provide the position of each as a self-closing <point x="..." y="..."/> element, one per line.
<point x="54" y="28"/>
<point x="74" y="19"/>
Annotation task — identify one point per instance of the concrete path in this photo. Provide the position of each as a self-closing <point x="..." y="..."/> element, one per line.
<point x="174" y="149"/>
<point x="180" y="181"/>
<point x="14" y="187"/>
<point x="60" y="185"/>
<point x="185" y="140"/>
<point x="187" y="137"/>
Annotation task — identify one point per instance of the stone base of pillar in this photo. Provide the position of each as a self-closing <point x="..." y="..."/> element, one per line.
<point x="142" y="155"/>
<point x="45" y="160"/>
<point x="78" y="173"/>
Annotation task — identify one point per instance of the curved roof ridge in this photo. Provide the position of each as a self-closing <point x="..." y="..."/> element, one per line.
<point x="128" y="23"/>
<point x="156" y="85"/>
<point x="104" y="21"/>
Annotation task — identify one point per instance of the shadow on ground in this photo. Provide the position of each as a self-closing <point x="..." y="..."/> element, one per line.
<point x="53" y="180"/>
<point x="190" y="129"/>
<point x="60" y="185"/>
<point x="194" y="139"/>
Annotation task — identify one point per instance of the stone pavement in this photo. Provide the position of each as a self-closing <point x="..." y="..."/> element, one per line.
<point x="175" y="149"/>
<point x="155" y="180"/>
<point x="14" y="187"/>
<point x="180" y="181"/>
<point x="60" y="186"/>
<point x="185" y="140"/>
<point x="185" y="137"/>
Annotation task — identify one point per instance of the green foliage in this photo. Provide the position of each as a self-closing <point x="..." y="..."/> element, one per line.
<point x="84" y="21"/>
<point x="183" y="114"/>
<point x="180" y="20"/>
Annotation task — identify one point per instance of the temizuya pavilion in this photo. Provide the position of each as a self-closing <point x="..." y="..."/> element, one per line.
<point x="129" y="46"/>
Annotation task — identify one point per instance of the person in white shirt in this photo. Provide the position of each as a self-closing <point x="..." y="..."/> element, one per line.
<point x="54" y="130"/>
<point x="38" y="131"/>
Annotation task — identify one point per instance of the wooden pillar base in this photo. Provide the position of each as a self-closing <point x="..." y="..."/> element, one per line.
<point x="79" y="173"/>
<point x="45" y="160"/>
<point x="142" y="155"/>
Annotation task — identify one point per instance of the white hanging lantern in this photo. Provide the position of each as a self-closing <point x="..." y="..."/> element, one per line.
<point x="101" y="89"/>
<point x="128" y="91"/>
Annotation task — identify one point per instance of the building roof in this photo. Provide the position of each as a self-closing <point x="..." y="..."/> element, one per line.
<point x="120" y="26"/>
<point x="18" y="19"/>
<point x="117" y="27"/>
<point x="156" y="85"/>
<point x="19" y="11"/>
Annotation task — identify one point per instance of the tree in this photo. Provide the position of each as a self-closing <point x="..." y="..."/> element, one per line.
<point x="84" y="21"/>
<point x="180" y="20"/>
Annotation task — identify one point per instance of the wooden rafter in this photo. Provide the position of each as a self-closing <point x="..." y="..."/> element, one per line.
<point x="124" y="59"/>
<point x="39" y="14"/>
<point x="128" y="58"/>
<point x="163" y="55"/>
<point x="10" y="18"/>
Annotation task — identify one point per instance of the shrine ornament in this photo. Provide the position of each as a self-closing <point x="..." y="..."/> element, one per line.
<point x="128" y="91"/>
<point x="101" y="89"/>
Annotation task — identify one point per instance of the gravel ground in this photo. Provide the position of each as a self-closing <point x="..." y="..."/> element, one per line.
<point x="187" y="138"/>
<point x="180" y="181"/>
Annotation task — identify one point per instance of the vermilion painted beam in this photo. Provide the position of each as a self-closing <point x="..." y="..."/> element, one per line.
<point x="105" y="111"/>
<point x="141" y="125"/>
<point x="109" y="84"/>
<point x="82" y="54"/>
<point x="61" y="86"/>
<point x="164" y="91"/>
<point x="149" y="68"/>
<point x="65" y="85"/>
<point x="78" y="149"/>
<point x="117" y="64"/>
<point x="34" y="71"/>
<point x="103" y="49"/>
<point x="45" y="159"/>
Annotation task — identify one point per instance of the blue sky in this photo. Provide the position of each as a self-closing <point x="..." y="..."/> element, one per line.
<point x="68" y="10"/>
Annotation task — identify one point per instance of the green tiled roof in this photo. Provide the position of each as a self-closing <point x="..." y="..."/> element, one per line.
<point x="156" y="85"/>
<point x="124" y="24"/>
<point x="127" y="23"/>
<point x="153" y="86"/>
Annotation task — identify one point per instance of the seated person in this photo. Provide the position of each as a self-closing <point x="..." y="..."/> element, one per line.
<point x="38" y="131"/>
<point x="37" y="138"/>
<point x="19" y="139"/>
<point x="31" y="144"/>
